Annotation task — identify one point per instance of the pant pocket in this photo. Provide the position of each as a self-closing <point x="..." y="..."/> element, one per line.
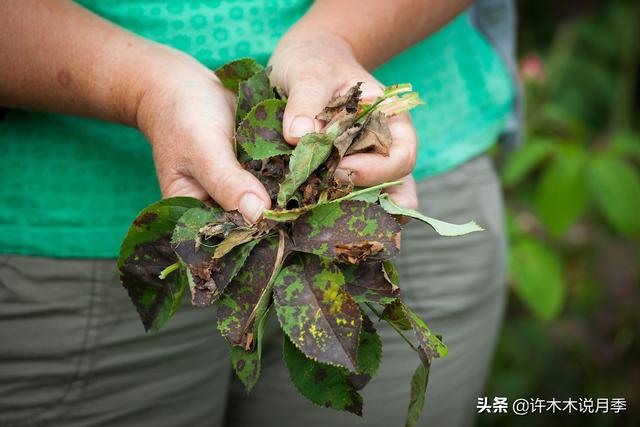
<point x="46" y="309"/>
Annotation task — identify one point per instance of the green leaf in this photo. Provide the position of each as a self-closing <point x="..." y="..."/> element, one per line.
<point x="332" y="386"/>
<point x="350" y="231"/>
<point x="429" y="345"/>
<point x="248" y="293"/>
<point x="418" y="389"/>
<point x="525" y="160"/>
<point x="562" y="192"/>
<point x="615" y="186"/>
<point x="237" y="71"/>
<point x="371" y="282"/>
<point x="260" y="133"/>
<point x="246" y="364"/>
<point x="252" y="92"/>
<point x="316" y="312"/>
<point x="626" y="144"/>
<point x="538" y="277"/>
<point x="145" y="252"/>
<point x="311" y="151"/>
<point x="441" y="227"/>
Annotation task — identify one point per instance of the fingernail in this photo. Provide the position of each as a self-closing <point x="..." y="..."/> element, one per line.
<point x="301" y="126"/>
<point x="342" y="175"/>
<point x="251" y="207"/>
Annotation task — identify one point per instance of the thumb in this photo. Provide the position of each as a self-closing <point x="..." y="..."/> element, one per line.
<point x="307" y="97"/>
<point x="231" y="186"/>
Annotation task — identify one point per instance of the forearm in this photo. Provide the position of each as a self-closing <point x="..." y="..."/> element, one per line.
<point x="56" y="56"/>
<point x="377" y="30"/>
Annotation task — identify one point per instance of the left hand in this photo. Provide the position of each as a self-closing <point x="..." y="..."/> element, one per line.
<point x="313" y="69"/>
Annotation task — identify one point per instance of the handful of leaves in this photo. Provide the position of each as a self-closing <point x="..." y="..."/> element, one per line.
<point x="321" y="259"/>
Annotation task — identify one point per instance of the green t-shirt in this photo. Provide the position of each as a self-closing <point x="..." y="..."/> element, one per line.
<point x="69" y="187"/>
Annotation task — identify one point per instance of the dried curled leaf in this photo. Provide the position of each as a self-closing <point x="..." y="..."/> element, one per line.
<point x="316" y="312"/>
<point x="374" y="136"/>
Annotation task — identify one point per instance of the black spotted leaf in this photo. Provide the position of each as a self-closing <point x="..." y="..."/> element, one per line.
<point x="394" y="313"/>
<point x="418" y="389"/>
<point x="246" y="363"/>
<point x="145" y="252"/>
<point x="235" y="72"/>
<point x="312" y="150"/>
<point x="248" y="294"/>
<point x="260" y="132"/>
<point x="429" y="345"/>
<point x="351" y="231"/>
<point x="441" y="227"/>
<point x="317" y="313"/>
<point x="373" y="282"/>
<point x="207" y="276"/>
<point x="251" y="92"/>
<point x="332" y="386"/>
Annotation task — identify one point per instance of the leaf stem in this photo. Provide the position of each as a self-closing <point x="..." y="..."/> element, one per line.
<point x="170" y="269"/>
<point x="398" y="330"/>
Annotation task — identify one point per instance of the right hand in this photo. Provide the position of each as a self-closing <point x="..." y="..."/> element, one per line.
<point x="189" y="118"/>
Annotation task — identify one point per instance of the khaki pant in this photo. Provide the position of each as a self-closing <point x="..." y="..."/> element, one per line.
<point x="73" y="351"/>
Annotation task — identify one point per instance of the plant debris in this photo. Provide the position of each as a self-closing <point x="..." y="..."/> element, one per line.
<point x="321" y="258"/>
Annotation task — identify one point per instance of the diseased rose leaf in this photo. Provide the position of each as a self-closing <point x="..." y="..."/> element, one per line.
<point x="350" y="230"/>
<point x="441" y="227"/>
<point x="394" y="313"/>
<point x="311" y="151"/>
<point x="234" y="238"/>
<point x="347" y="102"/>
<point x="429" y="345"/>
<point x="418" y="389"/>
<point x="374" y="136"/>
<point x="270" y="172"/>
<point x="246" y="363"/>
<point x="252" y="92"/>
<point x="196" y="252"/>
<point x="260" y="132"/>
<point x="332" y="386"/>
<point x="237" y="71"/>
<point x="247" y="294"/>
<point x="317" y="313"/>
<point x="145" y="252"/>
<point x="369" y="282"/>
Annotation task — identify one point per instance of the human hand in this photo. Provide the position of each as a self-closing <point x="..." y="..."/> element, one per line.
<point x="189" y="118"/>
<point x="312" y="69"/>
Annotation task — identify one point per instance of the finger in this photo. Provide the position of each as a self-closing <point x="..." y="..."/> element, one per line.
<point x="222" y="177"/>
<point x="366" y="169"/>
<point x="210" y="169"/>
<point x="308" y="95"/>
<point x="404" y="195"/>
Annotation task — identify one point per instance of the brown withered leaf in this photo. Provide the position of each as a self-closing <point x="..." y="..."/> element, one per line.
<point x="347" y="102"/>
<point x="374" y="136"/>
<point x="354" y="253"/>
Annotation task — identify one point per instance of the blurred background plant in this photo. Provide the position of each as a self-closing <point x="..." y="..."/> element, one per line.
<point x="572" y="327"/>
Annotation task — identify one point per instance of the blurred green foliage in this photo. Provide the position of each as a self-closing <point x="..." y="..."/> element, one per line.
<point x="572" y="328"/>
